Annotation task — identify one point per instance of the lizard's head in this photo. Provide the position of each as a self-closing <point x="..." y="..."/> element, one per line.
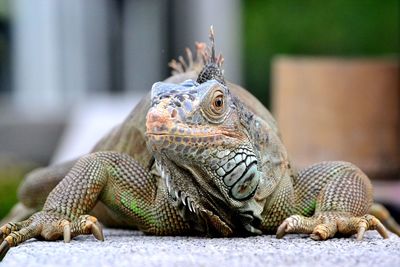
<point x="201" y="148"/>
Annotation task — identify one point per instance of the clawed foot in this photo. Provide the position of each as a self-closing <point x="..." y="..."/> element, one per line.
<point x="49" y="226"/>
<point x="326" y="224"/>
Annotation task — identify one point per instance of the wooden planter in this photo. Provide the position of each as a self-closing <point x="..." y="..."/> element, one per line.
<point x="340" y="109"/>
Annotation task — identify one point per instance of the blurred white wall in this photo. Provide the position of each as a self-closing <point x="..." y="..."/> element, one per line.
<point x="90" y="121"/>
<point x="37" y="68"/>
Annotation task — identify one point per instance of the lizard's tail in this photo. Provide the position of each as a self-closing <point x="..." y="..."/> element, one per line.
<point x="380" y="212"/>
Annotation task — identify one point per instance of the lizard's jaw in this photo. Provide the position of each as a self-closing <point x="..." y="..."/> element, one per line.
<point x="193" y="191"/>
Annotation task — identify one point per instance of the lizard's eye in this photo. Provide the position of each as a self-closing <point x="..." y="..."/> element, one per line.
<point x="215" y="105"/>
<point x="218" y="102"/>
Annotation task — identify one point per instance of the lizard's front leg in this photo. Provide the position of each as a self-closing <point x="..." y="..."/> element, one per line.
<point x="114" y="178"/>
<point x="332" y="198"/>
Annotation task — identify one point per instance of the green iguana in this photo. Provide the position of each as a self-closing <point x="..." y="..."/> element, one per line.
<point x="197" y="156"/>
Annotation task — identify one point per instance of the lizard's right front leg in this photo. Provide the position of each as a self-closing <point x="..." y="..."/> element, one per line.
<point x="114" y="178"/>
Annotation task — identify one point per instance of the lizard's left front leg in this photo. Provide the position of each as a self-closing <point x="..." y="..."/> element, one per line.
<point x="332" y="198"/>
<point x="114" y="178"/>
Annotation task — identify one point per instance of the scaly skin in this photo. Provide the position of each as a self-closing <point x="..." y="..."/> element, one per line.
<point x="202" y="157"/>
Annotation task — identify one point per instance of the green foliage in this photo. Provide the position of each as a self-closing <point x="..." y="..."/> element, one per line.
<point x="10" y="177"/>
<point x="314" y="27"/>
<point x="4" y="8"/>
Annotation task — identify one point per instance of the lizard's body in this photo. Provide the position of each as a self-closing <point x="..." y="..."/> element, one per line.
<point x="199" y="157"/>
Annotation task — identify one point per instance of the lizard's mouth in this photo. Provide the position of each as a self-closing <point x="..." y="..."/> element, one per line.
<point x="167" y="129"/>
<point x="173" y="136"/>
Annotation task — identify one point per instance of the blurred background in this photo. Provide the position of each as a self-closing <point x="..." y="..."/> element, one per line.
<point x="71" y="69"/>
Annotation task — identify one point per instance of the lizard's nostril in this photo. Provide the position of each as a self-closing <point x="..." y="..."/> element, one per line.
<point x="173" y="113"/>
<point x="154" y="117"/>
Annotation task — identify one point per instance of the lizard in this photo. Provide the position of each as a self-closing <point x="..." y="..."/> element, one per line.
<point x="198" y="155"/>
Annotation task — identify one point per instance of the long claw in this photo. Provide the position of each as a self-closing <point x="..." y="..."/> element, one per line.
<point x="97" y="231"/>
<point x="316" y="237"/>
<point x="67" y="233"/>
<point x="360" y="233"/>
<point x="381" y="230"/>
<point x="4" y="247"/>
<point x="281" y="232"/>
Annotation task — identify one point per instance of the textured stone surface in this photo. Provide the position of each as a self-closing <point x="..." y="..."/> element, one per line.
<point x="131" y="248"/>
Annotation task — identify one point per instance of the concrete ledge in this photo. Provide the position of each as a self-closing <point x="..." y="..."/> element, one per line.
<point x="131" y="248"/>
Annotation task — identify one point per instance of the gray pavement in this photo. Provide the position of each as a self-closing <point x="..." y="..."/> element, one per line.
<point x="131" y="248"/>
